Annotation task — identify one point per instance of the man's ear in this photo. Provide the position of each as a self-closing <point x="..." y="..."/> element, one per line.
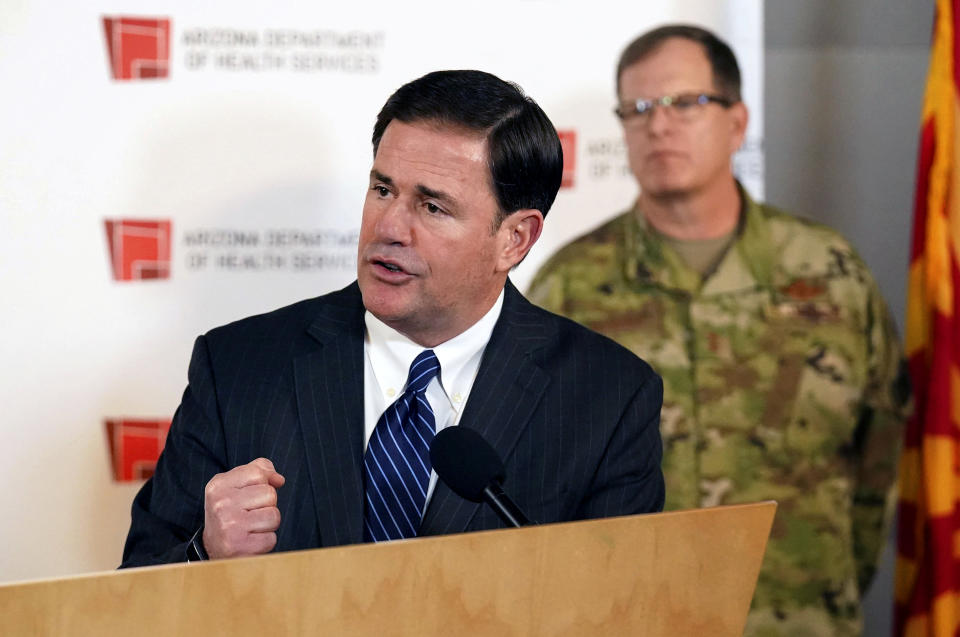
<point x="518" y="232"/>
<point x="738" y="124"/>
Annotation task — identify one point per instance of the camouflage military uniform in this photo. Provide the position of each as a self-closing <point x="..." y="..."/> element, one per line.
<point x="782" y="380"/>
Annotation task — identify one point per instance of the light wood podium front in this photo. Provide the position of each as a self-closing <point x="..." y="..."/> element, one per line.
<point x="676" y="574"/>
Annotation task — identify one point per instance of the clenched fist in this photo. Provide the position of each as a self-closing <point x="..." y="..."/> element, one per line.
<point x="240" y="510"/>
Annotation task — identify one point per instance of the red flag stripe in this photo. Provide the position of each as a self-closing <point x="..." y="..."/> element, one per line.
<point x="925" y="154"/>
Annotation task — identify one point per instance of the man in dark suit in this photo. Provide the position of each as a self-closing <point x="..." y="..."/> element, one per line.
<point x="286" y="438"/>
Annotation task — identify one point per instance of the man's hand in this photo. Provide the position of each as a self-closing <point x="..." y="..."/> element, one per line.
<point x="240" y="510"/>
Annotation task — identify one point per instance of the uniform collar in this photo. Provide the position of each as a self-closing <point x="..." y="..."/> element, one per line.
<point x="748" y="263"/>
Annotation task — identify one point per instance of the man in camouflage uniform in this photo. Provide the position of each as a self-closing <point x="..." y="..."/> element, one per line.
<point x="781" y="365"/>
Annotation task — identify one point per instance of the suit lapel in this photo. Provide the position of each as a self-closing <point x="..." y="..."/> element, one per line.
<point x="329" y="386"/>
<point x="505" y="394"/>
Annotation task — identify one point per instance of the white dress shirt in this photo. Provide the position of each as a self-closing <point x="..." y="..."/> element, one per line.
<point x="388" y="355"/>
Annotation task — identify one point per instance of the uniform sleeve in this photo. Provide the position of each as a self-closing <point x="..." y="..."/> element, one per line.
<point x="878" y="438"/>
<point x="548" y="288"/>
<point x="168" y="510"/>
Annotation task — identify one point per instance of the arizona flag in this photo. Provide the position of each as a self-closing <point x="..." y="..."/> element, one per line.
<point x="927" y="589"/>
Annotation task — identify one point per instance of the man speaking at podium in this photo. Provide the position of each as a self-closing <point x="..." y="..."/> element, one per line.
<point x="310" y="426"/>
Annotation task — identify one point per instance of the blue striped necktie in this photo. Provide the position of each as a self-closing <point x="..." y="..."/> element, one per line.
<point x="397" y="462"/>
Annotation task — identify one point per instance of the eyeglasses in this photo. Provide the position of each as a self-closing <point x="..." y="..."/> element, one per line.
<point x="683" y="106"/>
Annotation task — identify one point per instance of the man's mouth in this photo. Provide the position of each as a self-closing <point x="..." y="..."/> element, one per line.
<point x="392" y="267"/>
<point x="662" y="154"/>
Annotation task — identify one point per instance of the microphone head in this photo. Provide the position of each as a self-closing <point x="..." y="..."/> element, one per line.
<point x="465" y="462"/>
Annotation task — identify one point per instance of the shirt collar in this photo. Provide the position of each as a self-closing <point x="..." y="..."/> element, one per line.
<point x="391" y="353"/>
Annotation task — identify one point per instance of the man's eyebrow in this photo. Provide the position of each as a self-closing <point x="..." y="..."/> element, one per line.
<point x="426" y="191"/>
<point x="376" y="175"/>
<point x="435" y="194"/>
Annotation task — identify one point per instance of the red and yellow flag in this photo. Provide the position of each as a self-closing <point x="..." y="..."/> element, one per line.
<point x="927" y="588"/>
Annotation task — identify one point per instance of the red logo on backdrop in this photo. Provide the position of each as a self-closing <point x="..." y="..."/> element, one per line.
<point x="139" y="47"/>
<point x="139" y="248"/>
<point x="135" y="445"/>
<point x="568" y="141"/>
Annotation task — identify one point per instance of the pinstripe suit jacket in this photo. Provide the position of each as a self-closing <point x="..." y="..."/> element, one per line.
<point x="574" y="416"/>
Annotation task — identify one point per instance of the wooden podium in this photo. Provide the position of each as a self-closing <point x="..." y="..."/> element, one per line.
<point x="683" y="573"/>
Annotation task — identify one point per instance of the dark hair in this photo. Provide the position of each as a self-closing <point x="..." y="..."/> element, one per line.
<point x="723" y="63"/>
<point x="526" y="161"/>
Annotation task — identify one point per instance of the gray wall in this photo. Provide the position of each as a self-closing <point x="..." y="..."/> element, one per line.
<point x="844" y="88"/>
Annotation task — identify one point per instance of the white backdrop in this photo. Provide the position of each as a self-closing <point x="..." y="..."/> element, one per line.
<point x="255" y="148"/>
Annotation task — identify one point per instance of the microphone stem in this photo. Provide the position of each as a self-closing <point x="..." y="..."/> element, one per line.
<point x="504" y="506"/>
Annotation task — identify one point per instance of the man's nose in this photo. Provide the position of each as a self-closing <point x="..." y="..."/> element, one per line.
<point x="394" y="223"/>
<point x="659" y="120"/>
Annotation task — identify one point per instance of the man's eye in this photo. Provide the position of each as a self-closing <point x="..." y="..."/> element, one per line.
<point x="684" y="102"/>
<point x="383" y="191"/>
<point x="433" y="208"/>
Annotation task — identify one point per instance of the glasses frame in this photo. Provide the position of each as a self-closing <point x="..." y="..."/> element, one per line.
<point x="645" y="107"/>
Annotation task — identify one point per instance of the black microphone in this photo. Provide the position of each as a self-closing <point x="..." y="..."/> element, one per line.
<point x="473" y="470"/>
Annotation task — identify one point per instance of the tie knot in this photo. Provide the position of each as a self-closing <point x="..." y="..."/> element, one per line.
<point x="422" y="370"/>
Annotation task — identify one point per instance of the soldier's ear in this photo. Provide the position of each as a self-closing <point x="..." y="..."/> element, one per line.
<point x="739" y="118"/>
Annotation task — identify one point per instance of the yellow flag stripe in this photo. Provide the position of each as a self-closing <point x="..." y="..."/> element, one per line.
<point x="939" y="477"/>
<point x="944" y="613"/>
<point x="940" y="99"/>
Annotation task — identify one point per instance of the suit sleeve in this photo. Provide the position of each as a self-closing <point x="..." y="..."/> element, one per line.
<point x="168" y="510"/>
<point x="629" y="478"/>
